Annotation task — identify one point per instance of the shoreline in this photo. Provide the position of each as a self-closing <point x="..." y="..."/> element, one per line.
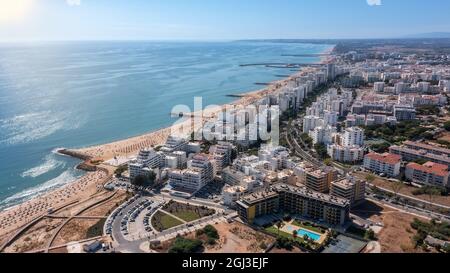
<point x="87" y="184"/>
<point x="157" y="137"/>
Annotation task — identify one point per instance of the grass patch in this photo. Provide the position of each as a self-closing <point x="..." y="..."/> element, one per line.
<point x="186" y="246"/>
<point x="187" y="212"/>
<point x="162" y="221"/>
<point x="187" y="216"/>
<point x="309" y="227"/>
<point x="279" y="233"/>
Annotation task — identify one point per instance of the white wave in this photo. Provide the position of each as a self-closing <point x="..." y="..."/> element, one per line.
<point x="63" y="179"/>
<point x="49" y="164"/>
<point x="33" y="126"/>
<point x="29" y="127"/>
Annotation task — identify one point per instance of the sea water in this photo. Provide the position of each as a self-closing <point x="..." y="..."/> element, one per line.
<point x="78" y="94"/>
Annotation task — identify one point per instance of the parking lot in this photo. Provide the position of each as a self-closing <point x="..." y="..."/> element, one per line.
<point x="131" y="218"/>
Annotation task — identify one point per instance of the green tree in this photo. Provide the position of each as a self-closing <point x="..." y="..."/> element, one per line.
<point x="447" y="126"/>
<point x="321" y="150"/>
<point x="328" y="161"/>
<point x="184" y="245"/>
<point x="370" y="178"/>
<point x="284" y="243"/>
<point x="397" y="187"/>
<point x="211" y="232"/>
<point x="279" y="225"/>
<point x="139" y="180"/>
<point x="120" y="170"/>
<point x="370" y="235"/>
<point x="432" y="192"/>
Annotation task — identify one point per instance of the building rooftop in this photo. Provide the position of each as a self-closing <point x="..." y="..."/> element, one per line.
<point x="431" y="168"/>
<point x="347" y="184"/>
<point x="385" y="158"/>
<point x="234" y="189"/>
<point x="259" y="196"/>
<point x="312" y="194"/>
<point x="422" y="153"/>
<point x="424" y="146"/>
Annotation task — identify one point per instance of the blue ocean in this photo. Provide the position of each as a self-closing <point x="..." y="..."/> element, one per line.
<point x="78" y="94"/>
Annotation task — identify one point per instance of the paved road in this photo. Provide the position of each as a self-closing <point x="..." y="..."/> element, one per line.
<point x="411" y="197"/>
<point x="411" y="210"/>
<point x="133" y="242"/>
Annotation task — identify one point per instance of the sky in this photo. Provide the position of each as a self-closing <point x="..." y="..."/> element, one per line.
<point x="43" y="20"/>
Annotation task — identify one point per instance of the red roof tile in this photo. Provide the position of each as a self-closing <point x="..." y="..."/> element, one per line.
<point x="387" y="158"/>
<point x="430" y="167"/>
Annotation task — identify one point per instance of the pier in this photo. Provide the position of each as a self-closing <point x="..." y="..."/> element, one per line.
<point x="190" y="115"/>
<point x="306" y="55"/>
<point x="236" y="96"/>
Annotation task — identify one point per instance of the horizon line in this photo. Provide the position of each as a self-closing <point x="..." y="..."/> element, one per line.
<point x="217" y="40"/>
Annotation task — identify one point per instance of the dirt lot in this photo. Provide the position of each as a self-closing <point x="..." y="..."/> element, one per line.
<point x="445" y="136"/>
<point x="396" y="235"/>
<point x="238" y="238"/>
<point x="406" y="190"/>
<point x="73" y="231"/>
<point x="36" y="237"/>
<point x="234" y="238"/>
<point x="295" y="250"/>
<point x="106" y="208"/>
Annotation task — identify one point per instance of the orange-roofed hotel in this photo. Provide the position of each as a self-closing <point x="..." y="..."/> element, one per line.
<point x="432" y="174"/>
<point x="388" y="164"/>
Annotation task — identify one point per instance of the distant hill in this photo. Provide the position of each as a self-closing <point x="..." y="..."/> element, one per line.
<point x="431" y="35"/>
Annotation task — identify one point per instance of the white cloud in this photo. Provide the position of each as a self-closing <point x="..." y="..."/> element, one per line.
<point x="73" y="2"/>
<point x="374" y="2"/>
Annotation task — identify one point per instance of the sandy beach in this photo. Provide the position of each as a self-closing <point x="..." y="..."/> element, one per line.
<point x="131" y="146"/>
<point x="90" y="184"/>
<point x="83" y="188"/>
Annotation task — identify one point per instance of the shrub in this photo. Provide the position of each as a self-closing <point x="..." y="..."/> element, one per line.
<point x="447" y="126"/>
<point x="211" y="232"/>
<point x="183" y="245"/>
<point x="284" y="243"/>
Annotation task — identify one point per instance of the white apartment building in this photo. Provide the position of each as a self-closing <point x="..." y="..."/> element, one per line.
<point x="378" y="87"/>
<point x="388" y="164"/>
<point x="432" y="174"/>
<point x="199" y="173"/>
<point x="231" y="195"/>
<point x="311" y="122"/>
<point x="174" y="144"/>
<point x="349" y="188"/>
<point x="353" y="136"/>
<point x="330" y="118"/>
<point x="150" y="158"/>
<point x="323" y="135"/>
<point x="346" y="154"/>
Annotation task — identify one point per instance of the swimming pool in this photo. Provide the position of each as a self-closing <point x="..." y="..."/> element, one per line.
<point x="316" y="237"/>
<point x="303" y="232"/>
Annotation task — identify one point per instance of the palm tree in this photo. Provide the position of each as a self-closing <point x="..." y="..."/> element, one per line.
<point x="397" y="187"/>
<point x="370" y="178"/>
<point x="432" y="193"/>
<point x="279" y="226"/>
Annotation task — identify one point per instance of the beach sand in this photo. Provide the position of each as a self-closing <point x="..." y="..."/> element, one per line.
<point x="131" y="146"/>
<point x="83" y="188"/>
